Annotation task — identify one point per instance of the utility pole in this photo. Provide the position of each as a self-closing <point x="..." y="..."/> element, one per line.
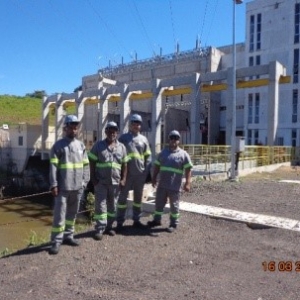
<point x="233" y="130"/>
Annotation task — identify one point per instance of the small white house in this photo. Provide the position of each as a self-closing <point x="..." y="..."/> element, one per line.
<point x="18" y="142"/>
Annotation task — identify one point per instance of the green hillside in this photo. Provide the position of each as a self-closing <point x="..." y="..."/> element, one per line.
<point x="15" y="109"/>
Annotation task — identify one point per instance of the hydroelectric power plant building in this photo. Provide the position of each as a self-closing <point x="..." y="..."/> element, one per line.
<point x="192" y="92"/>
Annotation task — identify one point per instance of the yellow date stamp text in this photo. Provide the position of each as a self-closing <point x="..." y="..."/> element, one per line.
<point x="281" y="266"/>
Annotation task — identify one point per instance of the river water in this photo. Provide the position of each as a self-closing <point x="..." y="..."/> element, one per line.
<point x="23" y="220"/>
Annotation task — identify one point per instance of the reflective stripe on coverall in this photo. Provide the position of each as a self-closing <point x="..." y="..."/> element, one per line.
<point x="108" y="173"/>
<point x="69" y="171"/>
<point x="172" y="165"/>
<point x="105" y="206"/>
<point x="139" y="154"/>
<point x="65" y="210"/>
<point x="162" y="195"/>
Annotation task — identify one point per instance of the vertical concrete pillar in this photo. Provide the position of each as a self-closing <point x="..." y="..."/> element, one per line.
<point x="103" y="112"/>
<point x="45" y="127"/>
<point x="275" y="70"/>
<point x="229" y="107"/>
<point x="156" y="116"/>
<point x="125" y="109"/>
<point x="99" y="128"/>
<point x="59" y="118"/>
<point x="80" y="113"/>
<point x="195" y="110"/>
<point x="101" y="96"/>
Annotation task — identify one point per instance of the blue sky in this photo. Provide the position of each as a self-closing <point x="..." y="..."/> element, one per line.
<point x="51" y="44"/>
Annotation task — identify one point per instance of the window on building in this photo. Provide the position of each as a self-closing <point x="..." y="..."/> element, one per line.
<point x="256" y="137"/>
<point x="20" y="142"/>
<point x="279" y="141"/>
<point x="249" y="138"/>
<point x="296" y="66"/>
<point x="295" y="106"/>
<point x="251" y="37"/>
<point x="250" y="109"/>
<point x="297" y="23"/>
<point x="251" y="63"/>
<point x="257" y="61"/>
<point x="294" y="137"/>
<point x="258" y="32"/>
<point x="256" y="109"/>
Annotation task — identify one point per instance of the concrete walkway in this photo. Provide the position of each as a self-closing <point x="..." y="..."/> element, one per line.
<point x="251" y="219"/>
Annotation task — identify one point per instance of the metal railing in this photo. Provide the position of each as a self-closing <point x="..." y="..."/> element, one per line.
<point x="218" y="158"/>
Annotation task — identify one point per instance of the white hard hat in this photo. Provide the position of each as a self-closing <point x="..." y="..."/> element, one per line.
<point x="174" y="133"/>
<point x="71" y="119"/>
<point x="112" y="124"/>
<point x="136" y="118"/>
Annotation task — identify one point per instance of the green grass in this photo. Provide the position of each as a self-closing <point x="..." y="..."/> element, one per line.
<point x="5" y="252"/>
<point x="15" y="109"/>
<point x="34" y="239"/>
<point x="20" y="109"/>
<point x="90" y="206"/>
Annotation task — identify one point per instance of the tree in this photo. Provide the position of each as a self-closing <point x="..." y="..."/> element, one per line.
<point x="37" y="94"/>
<point x="79" y="88"/>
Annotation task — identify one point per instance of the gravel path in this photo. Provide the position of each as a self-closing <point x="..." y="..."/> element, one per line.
<point x="204" y="259"/>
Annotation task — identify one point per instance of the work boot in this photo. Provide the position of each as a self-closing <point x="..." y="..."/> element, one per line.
<point x="139" y="225"/>
<point x="120" y="228"/>
<point x="154" y="223"/>
<point x="109" y="231"/>
<point x="71" y="242"/>
<point x="171" y="228"/>
<point x="98" y="236"/>
<point x="54" y="249"/>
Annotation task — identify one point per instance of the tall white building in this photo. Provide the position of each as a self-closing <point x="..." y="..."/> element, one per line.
<point x="272" y="33"/>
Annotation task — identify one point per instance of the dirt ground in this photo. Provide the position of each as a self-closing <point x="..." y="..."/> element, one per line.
<point x="204" y="259"/>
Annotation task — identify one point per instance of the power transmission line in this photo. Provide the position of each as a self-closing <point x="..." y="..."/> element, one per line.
<point x="212" y="21"/>
<point x="172" y="22"/>
<point x="204" y="17"/>
<point x="109" y="29"/>
<point x="143" y="27"/>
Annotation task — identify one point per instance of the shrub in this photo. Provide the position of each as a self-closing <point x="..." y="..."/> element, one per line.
<point x="90" y="206"/>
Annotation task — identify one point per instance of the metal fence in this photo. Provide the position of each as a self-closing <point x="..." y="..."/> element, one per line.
<point x="218" y="158"/>
<point x="212" y="157"/>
